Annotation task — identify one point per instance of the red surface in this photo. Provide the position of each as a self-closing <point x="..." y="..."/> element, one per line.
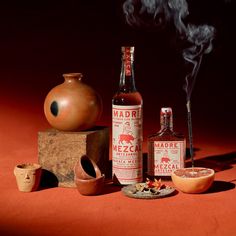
<point x="41" y="42"/>
<point x="63" y="211"/>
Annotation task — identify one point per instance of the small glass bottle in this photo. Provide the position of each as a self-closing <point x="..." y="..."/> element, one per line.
<point x="166" y="149"/>
<point x="127" y="121"/>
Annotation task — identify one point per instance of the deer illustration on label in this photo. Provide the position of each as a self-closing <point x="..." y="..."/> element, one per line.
<point x="127" y="134"/>
<point x="165" y="158"/>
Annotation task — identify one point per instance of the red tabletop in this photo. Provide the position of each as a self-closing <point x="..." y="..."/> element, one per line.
<point x="63" y="211"/>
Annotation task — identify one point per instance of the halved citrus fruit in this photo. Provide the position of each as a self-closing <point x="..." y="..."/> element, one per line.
<point x="193" y="179"/>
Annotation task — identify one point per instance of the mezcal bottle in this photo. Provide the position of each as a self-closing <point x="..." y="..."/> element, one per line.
<point x="127" y="123"/>
<point x="166" y="149"/>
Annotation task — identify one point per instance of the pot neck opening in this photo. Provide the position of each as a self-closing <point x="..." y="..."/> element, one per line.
<point x="70" y="77"/>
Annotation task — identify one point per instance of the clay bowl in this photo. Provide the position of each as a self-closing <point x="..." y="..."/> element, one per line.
<point x="85" y="168"/>
<point x="193" y="179"/>
<point x="90" y="186"/>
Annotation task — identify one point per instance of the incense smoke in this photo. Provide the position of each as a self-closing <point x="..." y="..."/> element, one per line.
<point x="158" y="13"/>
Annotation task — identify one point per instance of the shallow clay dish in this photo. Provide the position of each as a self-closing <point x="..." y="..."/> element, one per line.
<point x="130" y="191"/>
<point x="193" y="179"/>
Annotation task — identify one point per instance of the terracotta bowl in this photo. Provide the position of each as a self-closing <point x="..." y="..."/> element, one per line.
<point x="193" y="180"/>
<point x="90" y="186"/>
<point x="85" y="168"/>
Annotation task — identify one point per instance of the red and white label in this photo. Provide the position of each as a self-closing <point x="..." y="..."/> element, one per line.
<point x="127" y="144"/>
<point x="127" y="62"/>
<point x="166" y="157"/>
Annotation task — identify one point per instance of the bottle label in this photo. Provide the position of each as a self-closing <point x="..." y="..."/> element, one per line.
<point x="166" y="157"/>
<point x="127" y="62"/>
<point x="127" y="144"/>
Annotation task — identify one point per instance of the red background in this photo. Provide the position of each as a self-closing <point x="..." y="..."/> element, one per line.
<point x="41" y="40"/>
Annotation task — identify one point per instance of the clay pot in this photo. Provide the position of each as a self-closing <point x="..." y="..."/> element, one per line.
<point x="86" y="168"/>
<point x="28" y="176"/>
<point x="90" y="186"/>
<point x="193" y="179"/>
<point x="72" y="105"/>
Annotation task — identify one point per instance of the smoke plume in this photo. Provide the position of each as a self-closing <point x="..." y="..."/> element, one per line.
<point x="158" y="13"/>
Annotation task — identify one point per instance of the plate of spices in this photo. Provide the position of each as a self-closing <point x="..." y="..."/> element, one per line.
<point x="148" y="190"/>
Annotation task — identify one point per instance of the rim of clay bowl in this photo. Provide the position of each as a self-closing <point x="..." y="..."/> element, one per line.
<point x="28" y="166"/>
<point x="90" y="180"/>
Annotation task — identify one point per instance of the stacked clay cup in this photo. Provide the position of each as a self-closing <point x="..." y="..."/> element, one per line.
<point x="88" y="178"/>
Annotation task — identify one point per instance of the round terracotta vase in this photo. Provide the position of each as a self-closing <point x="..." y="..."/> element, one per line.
<point x="72" y="105"/>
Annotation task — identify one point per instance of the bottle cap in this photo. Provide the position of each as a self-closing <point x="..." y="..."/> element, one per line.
<point x="165" y="110"/>
<point x="166" y="116"/>
<point x="127" y="49"/>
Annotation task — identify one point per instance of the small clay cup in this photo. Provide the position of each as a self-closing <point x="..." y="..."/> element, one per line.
<point x="85" y="168"/>
<point x="90" y="186"/>
<point x="28" y="176"/>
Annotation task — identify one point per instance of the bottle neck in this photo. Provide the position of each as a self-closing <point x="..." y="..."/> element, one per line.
<point x="127" y="82"/>
<point x="166" y="119"/>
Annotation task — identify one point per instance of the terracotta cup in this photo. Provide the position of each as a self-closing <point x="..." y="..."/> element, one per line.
<point x="86" y="168"/>
<point x="92" y="186"/>
<point x="28" y="176"/>
<point x="88" y="177"/>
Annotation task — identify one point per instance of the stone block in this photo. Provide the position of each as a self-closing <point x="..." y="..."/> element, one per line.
<point x="58" y="152"/>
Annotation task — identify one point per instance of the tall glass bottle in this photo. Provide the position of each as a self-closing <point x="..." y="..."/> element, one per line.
<point x="166" y="149"/>
<point x="127" y="123"/>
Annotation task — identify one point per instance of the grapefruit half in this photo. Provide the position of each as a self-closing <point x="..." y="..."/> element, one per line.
<point x="193" y="179"/>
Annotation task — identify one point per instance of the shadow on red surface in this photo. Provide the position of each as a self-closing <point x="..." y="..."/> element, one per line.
<point x="48" y="180"/>
<point x="218" y="162"/>
<point x="220" y="186"/>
